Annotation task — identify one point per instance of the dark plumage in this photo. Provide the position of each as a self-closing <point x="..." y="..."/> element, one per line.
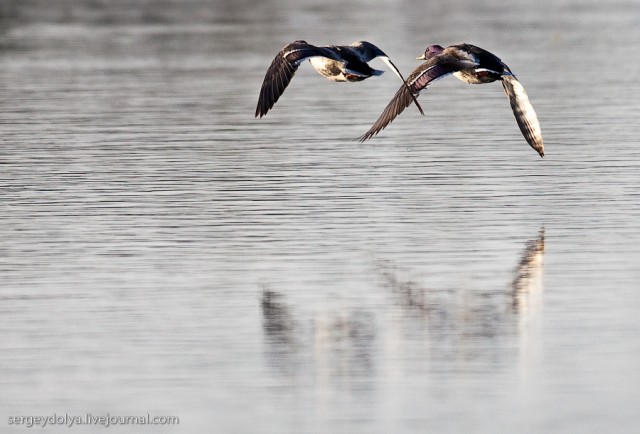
<point x="336" y="63"/>
<point x="470" y="64"/>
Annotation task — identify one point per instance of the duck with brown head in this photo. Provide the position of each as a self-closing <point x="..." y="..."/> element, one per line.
<point x="472" y="65"/>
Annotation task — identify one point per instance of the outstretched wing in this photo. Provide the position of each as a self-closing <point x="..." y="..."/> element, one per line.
<point x="524" y="112"/>
<point x="366" y="51"/>
<point x="433" y="69"/>
<point x="393" y="67"/>
<point x="282" y="69"/>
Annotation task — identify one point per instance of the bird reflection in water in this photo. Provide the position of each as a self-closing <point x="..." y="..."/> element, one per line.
<point x="526" y="296"/>
<point x="278" y="323"/>
<point x="467" y="321"/>
<point x="341" y="343"/>
<point x="526" y="288"/>
<point x="335" y="343"/>
<point x="280" y="330"/>
<point x="526" y="283"/>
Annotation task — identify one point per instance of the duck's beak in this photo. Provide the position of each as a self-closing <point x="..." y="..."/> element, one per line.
<point x="421" y="57"/>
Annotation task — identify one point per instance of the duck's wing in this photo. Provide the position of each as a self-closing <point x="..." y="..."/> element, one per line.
<point x="524" y="112"/>
<point x="435" y="68"/>
<point x="282" y="69"/>
<point x="367" y="51"/>
<point x="393" y="67"/>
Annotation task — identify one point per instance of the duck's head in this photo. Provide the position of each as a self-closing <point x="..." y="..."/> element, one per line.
<point x="431" y="51"/>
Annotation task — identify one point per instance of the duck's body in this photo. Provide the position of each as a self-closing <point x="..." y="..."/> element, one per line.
<point x="352" y="65"/>
<point x="339" y="63"/>
<point x="490" y="68"/>
<point x="472" y="65"/>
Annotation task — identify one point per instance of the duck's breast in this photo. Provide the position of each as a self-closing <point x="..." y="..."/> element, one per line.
<point x="328" y="68"/>
<point x="477" y="75"/>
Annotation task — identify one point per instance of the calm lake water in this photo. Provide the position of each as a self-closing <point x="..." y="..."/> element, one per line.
<point x="163" y="252"/>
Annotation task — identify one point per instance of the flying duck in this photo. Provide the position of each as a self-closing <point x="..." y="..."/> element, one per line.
<point x="472" y="65"/>
<point x="338" y="63"/>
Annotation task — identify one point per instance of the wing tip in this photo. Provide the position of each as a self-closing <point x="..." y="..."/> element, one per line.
<point x="261" y="110"/>
<point x="373" y="131"/>
<point x="363" y="138"/>
<point x="537" y="145"/>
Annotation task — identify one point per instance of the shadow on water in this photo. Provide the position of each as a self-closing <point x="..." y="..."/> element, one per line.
<point x="452" y="323"/>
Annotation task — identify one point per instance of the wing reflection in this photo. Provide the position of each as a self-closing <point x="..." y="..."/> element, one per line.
<point x="462" y="323"/>
<point x="280" y="330"/>
<point x="410" y="294"/>
<point x="526" y="296"/>
<point x="278" y="323"/>
<point x="457" y="324"/>
<point x="527" y="282"/>
<point x="335" y="343"/>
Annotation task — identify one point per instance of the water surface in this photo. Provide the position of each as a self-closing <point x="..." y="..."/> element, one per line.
<point x="162" y="251"/>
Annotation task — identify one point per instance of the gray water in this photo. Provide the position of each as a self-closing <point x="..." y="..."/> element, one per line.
<point x="163" y="252"/>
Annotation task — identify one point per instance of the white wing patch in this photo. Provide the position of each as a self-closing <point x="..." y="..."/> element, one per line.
<point x="523" y="104"/>
<point x="524" y="113"/>
<point x="486" y="70"/>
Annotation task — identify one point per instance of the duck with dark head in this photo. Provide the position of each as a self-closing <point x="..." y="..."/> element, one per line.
<point x="339" y="63"/>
